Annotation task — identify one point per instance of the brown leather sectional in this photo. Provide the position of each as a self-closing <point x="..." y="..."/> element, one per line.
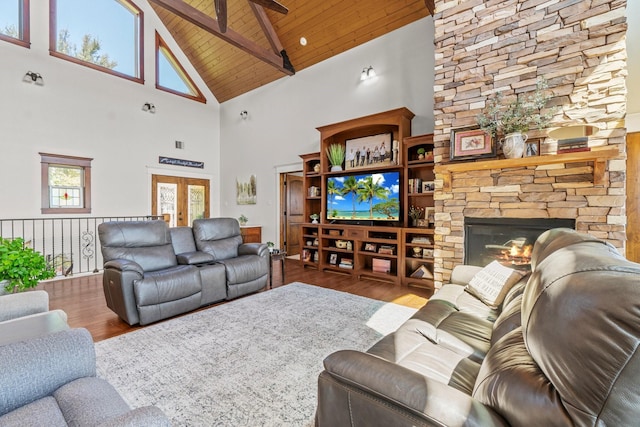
<point x="562" y="350"/>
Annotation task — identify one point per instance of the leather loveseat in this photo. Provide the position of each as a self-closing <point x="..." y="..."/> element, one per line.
<point x="560" y="350"/>
<point x="153" y="272"/>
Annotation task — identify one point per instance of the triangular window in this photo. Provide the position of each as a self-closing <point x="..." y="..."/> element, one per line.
<point x="171" y="76"/>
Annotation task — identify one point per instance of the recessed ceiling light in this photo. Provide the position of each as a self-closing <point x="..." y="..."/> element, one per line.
<point x="303" y="41"/>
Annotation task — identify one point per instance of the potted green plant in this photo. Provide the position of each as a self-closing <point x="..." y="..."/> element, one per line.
<point x="335" y="154"/>
<point x="514" y="119"/>
<point x="270" y="246"/>
<point x="242" y="219"/>
<point x="21" y="267"/>
<point x="421" y="152"/>
<point x="314" y="218"/>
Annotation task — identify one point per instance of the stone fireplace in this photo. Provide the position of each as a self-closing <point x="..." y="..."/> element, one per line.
<point x="484" y="47"/>
<point x="506" y="240"/>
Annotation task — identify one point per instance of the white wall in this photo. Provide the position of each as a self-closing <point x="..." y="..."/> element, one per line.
<point x="283" y="116"/>
<point x="87" y="113"/>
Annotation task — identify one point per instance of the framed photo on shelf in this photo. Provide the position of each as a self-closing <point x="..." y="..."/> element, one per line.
<point x="532" y="148"/>
<point x="428" y="186"/>
<point x="333" y="259"/>
<point x="370" y="247"/>
<point x="471" y="143"/>
<point x="369" y="151"/>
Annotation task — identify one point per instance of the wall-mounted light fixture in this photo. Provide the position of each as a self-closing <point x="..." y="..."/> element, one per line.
<point x="32" y="77"/>
<point x="147" y="106"/>
<point x="367" y="73"/>
<point x="244" y="114"/>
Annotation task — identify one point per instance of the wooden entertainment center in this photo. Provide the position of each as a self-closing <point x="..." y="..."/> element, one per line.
<point x="400" y="252"/>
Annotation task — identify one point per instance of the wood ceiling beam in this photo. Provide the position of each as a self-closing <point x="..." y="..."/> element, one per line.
<point x="431" y="6"/>
<point x="207" y="23"/>
<point x="266" y="26"/>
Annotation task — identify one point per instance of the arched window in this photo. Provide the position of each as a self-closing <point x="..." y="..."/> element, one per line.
<point x="102" y="34"/>
<point x="14" y="21"/>
<point x="171" y="75"/>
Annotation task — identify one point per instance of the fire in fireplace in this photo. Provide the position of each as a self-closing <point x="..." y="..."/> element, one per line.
<point x="507" y="240"/>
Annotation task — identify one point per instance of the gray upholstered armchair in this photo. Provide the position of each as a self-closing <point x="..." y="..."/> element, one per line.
<point x="30" y="303"/>
<point x="246" y="264"/>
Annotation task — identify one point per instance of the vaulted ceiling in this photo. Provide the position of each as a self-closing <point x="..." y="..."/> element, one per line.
<point x="248" y="56"/>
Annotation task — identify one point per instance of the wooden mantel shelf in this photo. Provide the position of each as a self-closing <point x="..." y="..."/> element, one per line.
<point x="598" y="157"/>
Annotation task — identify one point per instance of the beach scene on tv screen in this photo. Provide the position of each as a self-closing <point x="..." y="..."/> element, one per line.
<point x="373" y="197"/>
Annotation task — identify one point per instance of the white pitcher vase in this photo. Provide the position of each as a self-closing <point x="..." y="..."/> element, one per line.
<point x="513" y="145"/>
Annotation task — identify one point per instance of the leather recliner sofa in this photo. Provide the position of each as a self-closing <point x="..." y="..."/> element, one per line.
<point x="561" y="350"/>
<point x="153" y="272"/>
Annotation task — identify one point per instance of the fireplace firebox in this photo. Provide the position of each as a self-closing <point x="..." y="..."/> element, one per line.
<point x="507" y="240"/>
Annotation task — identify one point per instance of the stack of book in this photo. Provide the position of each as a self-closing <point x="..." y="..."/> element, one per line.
<point x="346" y="263"/>
<point x="415" y="185"/>
<point x="571" y="145"/>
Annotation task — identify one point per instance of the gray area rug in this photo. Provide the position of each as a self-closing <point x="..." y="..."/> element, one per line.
<point x="251" y="362"/>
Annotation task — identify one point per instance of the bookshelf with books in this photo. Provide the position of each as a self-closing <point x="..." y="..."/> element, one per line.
<point x="419" y="177"/>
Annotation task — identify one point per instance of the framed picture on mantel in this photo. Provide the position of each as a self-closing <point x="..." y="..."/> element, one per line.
<point x="471" y="143"/>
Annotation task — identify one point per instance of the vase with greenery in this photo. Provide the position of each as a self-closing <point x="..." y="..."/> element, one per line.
<point x="512" y="120"/>
<point x="336" y="154"/>
<point x="242" y="219"/>
<point x="21" y="267"/>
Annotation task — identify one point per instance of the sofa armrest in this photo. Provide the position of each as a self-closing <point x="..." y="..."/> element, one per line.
<point x="260" y="249"/>
<point x="35" y="368"/>
<point x="123" y="265"/>
<point x="13" y="306"/>
<point x="195" y="258"/>
<point x="428" y="399"/>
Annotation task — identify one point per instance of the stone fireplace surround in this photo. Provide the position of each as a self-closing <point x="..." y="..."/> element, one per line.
<point x="482" y="47"/>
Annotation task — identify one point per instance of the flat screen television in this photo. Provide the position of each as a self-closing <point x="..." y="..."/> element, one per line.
<point x="364" y="199"/>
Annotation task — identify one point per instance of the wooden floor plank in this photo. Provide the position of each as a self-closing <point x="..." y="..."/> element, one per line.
<point x="83" y="300"/>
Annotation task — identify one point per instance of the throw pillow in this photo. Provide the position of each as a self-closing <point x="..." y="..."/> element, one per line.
<point x="492" y="283"/>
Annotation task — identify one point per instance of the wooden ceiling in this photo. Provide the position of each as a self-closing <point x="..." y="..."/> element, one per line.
<point x="249" y="57"/>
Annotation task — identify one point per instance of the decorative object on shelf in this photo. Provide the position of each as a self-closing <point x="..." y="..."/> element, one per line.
<point x="395" y="144"/>
<point x="333" y="258"/>
<point x="532" y="148"/>
<point x="314" y="218"/>
<point x="427" y="253"/>
<point x="369" y="151"/>
<point x="428" y="186"/>
<point x="349" y="245"/>
<point x="246" y="191"/>
<point x="380" y="265"/>
<point x="471" y="143"/>
<point x="314" y="191"/>
<point x="341" y="244"/>
<point x="423" y="223"/>
<point x="370" y="247"/>
<point x="21" y="267"/>
<point x="316" y="168"/>
<point x="421" y="152"/>
<point x="271" y="246"/>
<point x="417" y="252"/>
<point x="517" y="117"/>
<point x="242" y="219"/>
<point x="415" y="213"/>
<point x="335" y="154"/>
<point x="422" y="272"/>
<point x="513" y="145"/>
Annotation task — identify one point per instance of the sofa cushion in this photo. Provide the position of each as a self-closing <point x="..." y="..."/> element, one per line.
<point x="218" y="236"/>
<point x="245" y="268"/>
<point x="89" y="401"/>
<point x="463" y="301"/>
<point x="493" y="282"/>
<point x="147" y="243"/>
<point x="42" y="412"/>
<point x="167" y="285"/>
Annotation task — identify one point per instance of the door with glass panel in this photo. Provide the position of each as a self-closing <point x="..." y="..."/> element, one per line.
<point x="179" y="200"/>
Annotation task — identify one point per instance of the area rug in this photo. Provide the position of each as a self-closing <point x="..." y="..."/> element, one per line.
<point x="251" y="362"/>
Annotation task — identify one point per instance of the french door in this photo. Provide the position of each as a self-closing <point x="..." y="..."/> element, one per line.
<point x="180" y="200"/>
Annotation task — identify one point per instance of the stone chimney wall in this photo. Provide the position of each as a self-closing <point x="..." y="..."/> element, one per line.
<point x="486" y="46"/>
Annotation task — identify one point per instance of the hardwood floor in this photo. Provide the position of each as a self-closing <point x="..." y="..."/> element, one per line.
<point x="83" y="300"/>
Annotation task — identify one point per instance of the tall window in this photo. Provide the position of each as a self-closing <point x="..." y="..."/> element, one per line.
<point x="14" y="21"/>
<point x="66" y="184"/>
<point x="102" y="34"/>
<point x="171" y="75"/>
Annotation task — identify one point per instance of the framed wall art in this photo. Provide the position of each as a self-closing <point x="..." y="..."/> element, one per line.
<point x="471" y="143"/>
<point x="369" y="151"/>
